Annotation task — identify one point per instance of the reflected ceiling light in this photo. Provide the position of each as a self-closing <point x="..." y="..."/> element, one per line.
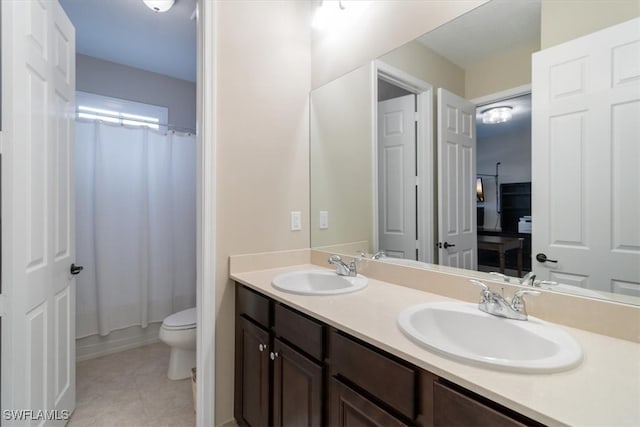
<point x="327" y="13"/>
<point x="497" y="115"/>
<point x="159" y="5"/>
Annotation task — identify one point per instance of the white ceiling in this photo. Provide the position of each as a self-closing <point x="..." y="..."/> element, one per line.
<point x="128" y="32"/>
<point x="488" y="30"/>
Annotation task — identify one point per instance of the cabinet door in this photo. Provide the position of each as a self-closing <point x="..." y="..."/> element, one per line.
<point x="252" y="373"/>
<point x="453" y="409"/>
<point x="297" y="388"/>
<point x="350" y="409"/>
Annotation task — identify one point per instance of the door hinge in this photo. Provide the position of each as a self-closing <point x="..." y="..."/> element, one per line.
<point x="417" y="181"/>
<point x="417" y="116"/>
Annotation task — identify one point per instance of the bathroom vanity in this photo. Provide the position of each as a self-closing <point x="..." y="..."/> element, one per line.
<point x="342" y="360"/>
<point x="292" y="369"/>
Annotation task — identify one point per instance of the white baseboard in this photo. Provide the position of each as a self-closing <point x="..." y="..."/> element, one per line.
<point x="124" y="339"/>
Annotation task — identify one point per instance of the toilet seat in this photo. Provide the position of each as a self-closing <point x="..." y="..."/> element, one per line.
<point x="185" y="319"/>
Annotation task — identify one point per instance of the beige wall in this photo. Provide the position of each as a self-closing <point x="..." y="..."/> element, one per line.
<point x="262" y="132"/>
<point x="505" y="71"/>
<point x="383" y="26"/>
<point x="341" y="159"/>
<point x="564" y="20"/>
<point x="423" y="63"/>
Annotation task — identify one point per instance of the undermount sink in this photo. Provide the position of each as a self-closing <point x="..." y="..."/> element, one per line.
<point x="318" y="282"/>
<point x="462" y="332"/>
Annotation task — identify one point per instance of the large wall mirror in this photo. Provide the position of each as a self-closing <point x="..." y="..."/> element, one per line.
<point x="458" y="150"/>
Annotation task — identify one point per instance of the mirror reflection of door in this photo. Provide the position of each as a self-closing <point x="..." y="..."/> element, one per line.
<point x="403" y="166"/>
<point x="457" y="242"/>
<point x="586" y="161"/>
<point x="396" y="172"/>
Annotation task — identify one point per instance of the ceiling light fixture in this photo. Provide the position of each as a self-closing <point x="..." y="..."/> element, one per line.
<point x="497" y="115"/>
<point x="159" y="5"/>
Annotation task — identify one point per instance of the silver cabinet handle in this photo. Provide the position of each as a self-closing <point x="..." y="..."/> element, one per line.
<point x="274" y="355"/>
<point x="262" y="347"/>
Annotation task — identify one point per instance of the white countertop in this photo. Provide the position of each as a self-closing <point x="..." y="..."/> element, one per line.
<point x="603" y="391"/>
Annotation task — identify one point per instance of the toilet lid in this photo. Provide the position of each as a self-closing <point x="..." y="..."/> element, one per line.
<point x="182" y="319"/>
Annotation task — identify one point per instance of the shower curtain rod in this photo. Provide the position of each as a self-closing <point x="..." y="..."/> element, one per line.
<point x="168" y="126"/>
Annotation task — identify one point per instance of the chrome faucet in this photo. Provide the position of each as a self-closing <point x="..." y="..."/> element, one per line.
<point x="342" y="268"/>
<point x="377" y="255"/>
<point x="497" y="305"/>
<point x="540" y="283"/>
<point x="528" y="280"/>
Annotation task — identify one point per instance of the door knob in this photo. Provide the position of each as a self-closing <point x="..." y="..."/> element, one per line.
<point x="543" y="258"/>
<point x="446" y="245"/>
<point x="75" y="269"/>
<point x="262" y="347"/>
<point x="274" y="355"/>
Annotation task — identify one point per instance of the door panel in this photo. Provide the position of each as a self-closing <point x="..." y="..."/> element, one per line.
<point x="297" y="388"/>
<point x="255" y="374"/>
<point x="64" y="345"/>
<point x="456" y="181"/>
<point x="38" y="196"/>
<point x="586" y="160"/>
<point x="397" y="177"/>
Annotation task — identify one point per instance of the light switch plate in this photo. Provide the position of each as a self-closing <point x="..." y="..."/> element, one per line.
<point x="324" y="220"/>
<point x="296" y="221"/>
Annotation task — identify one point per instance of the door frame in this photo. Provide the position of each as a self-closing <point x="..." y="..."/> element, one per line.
<point x="424" y="137"/>
<point x="206" y="213"/>
<point x="502" y="95"/>
<point x="206" y="217"/>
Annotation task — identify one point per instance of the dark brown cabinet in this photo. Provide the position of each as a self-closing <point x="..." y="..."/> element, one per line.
<point x="297" y="388"/>
<point x="253" y="373"/>
<point x="351" y="409"/>
<point x="279" y="373"/>
<point x="454" y="408"/>
<point x="292" y="370"/>
<point x="380" y="376"/>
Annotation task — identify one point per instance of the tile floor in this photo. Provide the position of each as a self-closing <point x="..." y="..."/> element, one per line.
<point x="131" y="389"/>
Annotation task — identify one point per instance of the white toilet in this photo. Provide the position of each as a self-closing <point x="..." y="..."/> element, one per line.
<point x="178" y="331"/>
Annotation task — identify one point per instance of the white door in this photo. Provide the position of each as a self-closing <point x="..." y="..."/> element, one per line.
<point x="397" y="177"/>
<point x="38" y="337"/>
<point x="457" y="235"/>
<point x="586" y="160"/>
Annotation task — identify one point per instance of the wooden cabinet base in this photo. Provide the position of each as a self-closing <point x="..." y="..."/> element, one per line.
<point x="297" y="388"/>
<point x="293" y="370"/>
<point x="350" y="409"/>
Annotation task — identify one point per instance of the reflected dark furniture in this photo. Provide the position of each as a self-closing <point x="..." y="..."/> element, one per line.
<point x="491" y="258"/>
<point x="515" y="202"/>
<point x="501" y="245"/>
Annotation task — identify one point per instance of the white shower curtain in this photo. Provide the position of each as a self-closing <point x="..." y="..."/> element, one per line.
<point x="135" y="226"/>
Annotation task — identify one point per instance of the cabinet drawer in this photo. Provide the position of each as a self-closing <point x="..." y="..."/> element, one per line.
<point x="299" y="330"/>
<point x="253" y="305"/>
<point x="348" y="408"/>
<point x="387" y="380"/>
<point x="454" y="409"/>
